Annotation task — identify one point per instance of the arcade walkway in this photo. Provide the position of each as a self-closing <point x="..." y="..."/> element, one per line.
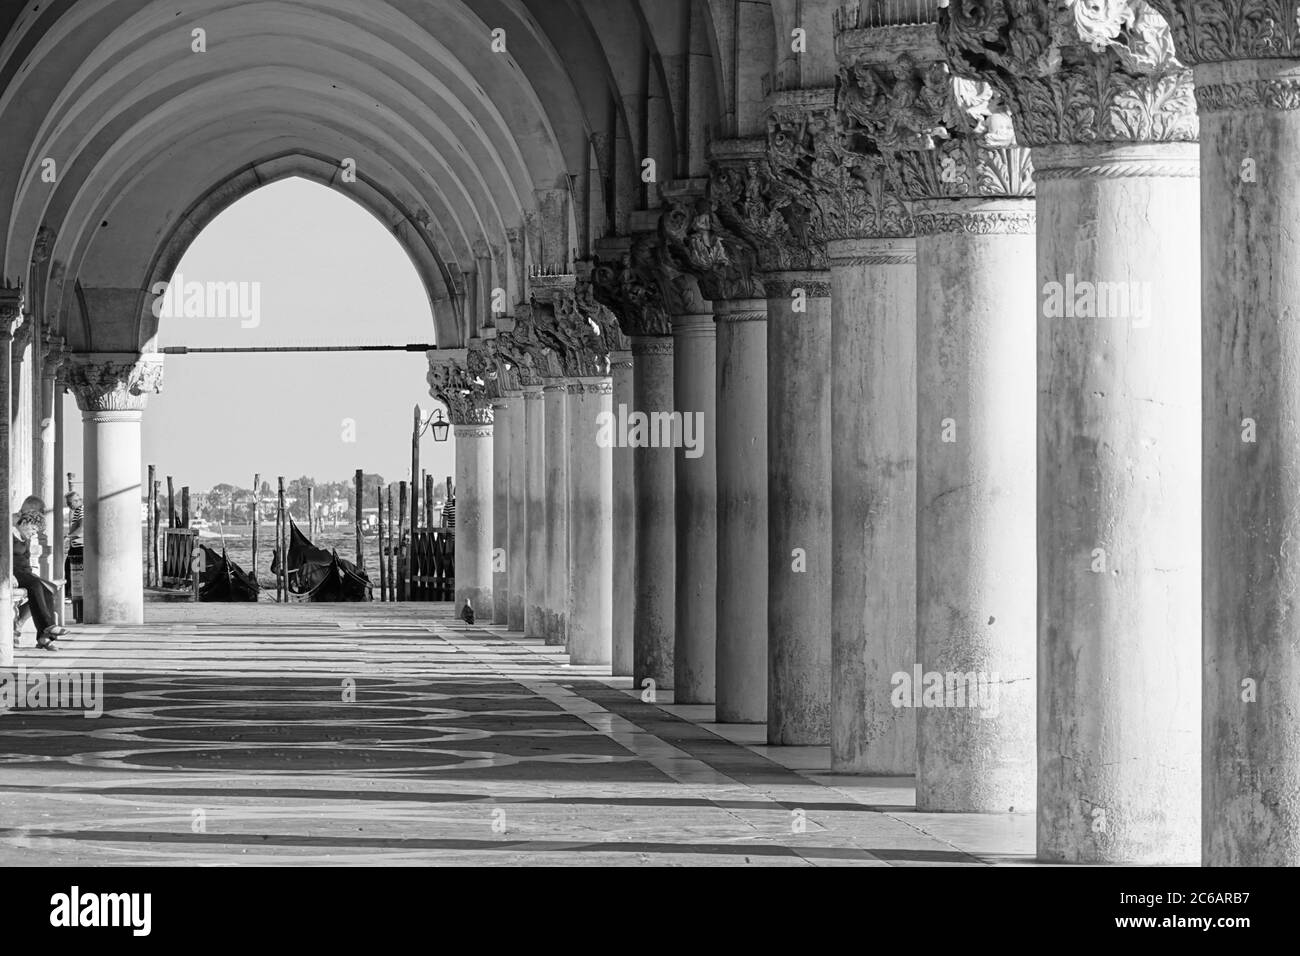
<point x="223" y="741"/>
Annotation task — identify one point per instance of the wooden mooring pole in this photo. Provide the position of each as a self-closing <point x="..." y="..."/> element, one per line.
<point x="151" y="533"/>
<point x="283" y="542"/>
<point x="392" y="549"/>
<point x="383" y="564"/>
<point x="361" y="558"/>
<point x="257" y="503"/>
<point x="402" y="569"/>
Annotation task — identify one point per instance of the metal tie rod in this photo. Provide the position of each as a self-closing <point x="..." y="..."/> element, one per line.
<point x="192" y="350"/>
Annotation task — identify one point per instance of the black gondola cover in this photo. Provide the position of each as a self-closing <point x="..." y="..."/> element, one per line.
<point x="322" y="576"/>
<point x="223" y="580"/>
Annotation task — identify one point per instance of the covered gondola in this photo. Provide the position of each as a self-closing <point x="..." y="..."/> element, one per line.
<point x="317" y="575"/>
<point x="223" y="580"/>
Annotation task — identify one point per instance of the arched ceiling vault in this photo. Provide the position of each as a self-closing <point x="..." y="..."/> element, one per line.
<point x="459" y="150"/>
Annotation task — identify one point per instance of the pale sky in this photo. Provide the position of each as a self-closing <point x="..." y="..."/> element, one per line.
<point x="330" y="273"/>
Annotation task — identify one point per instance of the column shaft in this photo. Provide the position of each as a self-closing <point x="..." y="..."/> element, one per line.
<point x="590" y="613"/>
<point x="1119" y="503"/>
<point x="656" y="554"/>
<point x="975" y="506"/>
<point x="873" y="502"/>
<point x="517" y="514"/>
<point x="624" y="524"/>
<point x="799" y="511"/>
<point x="696" y="503"/>
<point x="45" y="482"/>
<point x="474" y="518"/>
<point x="8" y="313"/>
<point x="1251" y="456"/>
<point x="114" y="556"/>
<point x="537" y="556"/>
<point x="556" y="567"/>
<point x="741" y="414"/>
<point x="503" y="430"/>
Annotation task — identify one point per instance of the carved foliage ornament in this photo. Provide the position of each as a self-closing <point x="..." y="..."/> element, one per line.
<point x="1075" y="71"/>
<point x="723" y="262"/>
<point x="633" y="288"/>
<point x="114" y="385"/>
<point x="1206" y="31"/>
<point x="574" y="333"/>
<point x="465" y="396"/>
<point x="524" y="349"/>
<point x="937" y="135"/>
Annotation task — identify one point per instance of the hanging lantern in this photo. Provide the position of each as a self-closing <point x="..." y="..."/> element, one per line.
<point x="440" y="426"/>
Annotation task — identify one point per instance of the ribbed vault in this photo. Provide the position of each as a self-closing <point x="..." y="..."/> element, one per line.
<point x="480" y="163"/>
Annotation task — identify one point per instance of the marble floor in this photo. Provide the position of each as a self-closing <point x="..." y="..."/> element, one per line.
<point x="396" y="734"/>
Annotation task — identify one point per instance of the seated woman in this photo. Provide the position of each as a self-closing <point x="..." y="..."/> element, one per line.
<point x="28" y="524"/>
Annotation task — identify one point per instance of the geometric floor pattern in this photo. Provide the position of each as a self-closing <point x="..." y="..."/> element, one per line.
<point x="396" y="734"/>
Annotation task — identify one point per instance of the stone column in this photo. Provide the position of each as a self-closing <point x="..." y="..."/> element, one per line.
<point x="517" y="513"/>
<point x="1247" y="86"/>
<point x="975" y="503"/>
<point x="624" y="559"/>
<point x="1118" y="446"/>
<point x="503" y="432"/>
<point x="535" y="511"/>
<point x="946" y="146"/>
<point x="555" y="600"/>
<point x="60" y="529"/>
<point x="741" y="414"/>
<point x="799" y="510"/>
<point x="873" y="501"/>
<point x="653" y="627"/>
<point x="112" y="393"/>
<point x="474" y="508"/>
<point x="21" y="411"/>
<point x="11" y="302"/>
<point x="46" y="477"/>
<point x="590" y="612"/>
<point x="696" y="496"/>
<point x="469" y="409"/>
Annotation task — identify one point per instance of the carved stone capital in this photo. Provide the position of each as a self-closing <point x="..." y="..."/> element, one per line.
<point x="523" y="349"/>
<point x="465" y="395"/>
<point x="633" y="287"/>
<point x="573" y="330"/>
<point x="724" y="263"/>
<point x="935" y="134"/>
<point x="115" y="383"/>
<point x="1075" y="71"/>
<point x="11" y="307"/>
<point x="1208" y="31"/>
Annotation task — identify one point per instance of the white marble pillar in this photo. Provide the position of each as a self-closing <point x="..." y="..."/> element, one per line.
<point x="741" y="413"/>
<point x="1119" y="453"/>
<point x="503" y="431"/>
<point x="656" y="546"/>
<point x="975" y="322"/>
<point x="45" y="479"/>
<point x="799" y="507"/>
<point x="555" y="567"/>
<point x="1247" y="80"/>
<point x="590" y="614"/>
<point x="517" y="514"/>
<point x="624" y="525"/>
<point x="1117" y="405"/>
<point x="536" y="554"/>
<point x="873" y="502"/>
<point x="21" y="413"/>
<point x="696" y="501"/>
<point x="474" y="507"/>
<point x="111" y="393"/>
<point x="10" y="310"/>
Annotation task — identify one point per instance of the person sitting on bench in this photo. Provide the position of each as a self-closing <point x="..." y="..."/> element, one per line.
<point x="28" y="524"/>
